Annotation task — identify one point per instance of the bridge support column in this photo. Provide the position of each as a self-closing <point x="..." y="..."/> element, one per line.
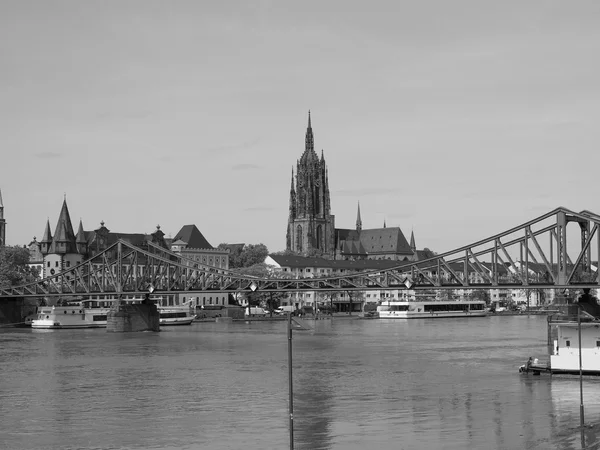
<point x="124" y="318"/>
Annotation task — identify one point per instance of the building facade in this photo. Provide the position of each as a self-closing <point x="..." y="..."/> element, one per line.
<point x="310" y="222"/>
<point x="311" y="227"/>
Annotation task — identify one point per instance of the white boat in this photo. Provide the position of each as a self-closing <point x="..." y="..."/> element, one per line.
<point x="175" y="315"/>
<point x="431" y="309"/>
<point x="563" y="346"/>
<point x="71" y="316"/>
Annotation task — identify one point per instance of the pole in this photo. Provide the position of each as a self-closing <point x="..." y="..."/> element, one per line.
<point x="581" y="416"/>
<point x="291" y="394"/>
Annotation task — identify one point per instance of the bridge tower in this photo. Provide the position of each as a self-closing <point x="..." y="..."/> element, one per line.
<point x="310" y="224"/>
<point x="2" y="223"/>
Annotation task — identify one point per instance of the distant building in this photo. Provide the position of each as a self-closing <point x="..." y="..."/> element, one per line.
<point x="65" y="249"/>
<point x="311" y="226"/>
<point x="194" y="249"/>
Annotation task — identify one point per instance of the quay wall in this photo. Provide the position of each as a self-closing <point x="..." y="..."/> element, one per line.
<point x="11" y="311"/>
<point x="125" y="318"/>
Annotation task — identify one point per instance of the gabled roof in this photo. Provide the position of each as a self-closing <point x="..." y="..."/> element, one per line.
<point x="192" y="236"/>
<point x="384" y="240"/>
<point x="178" y="242"/>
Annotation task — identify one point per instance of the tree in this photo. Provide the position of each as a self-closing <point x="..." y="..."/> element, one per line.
<point x="257" y="298"/>
<point x="14" y="268"/>
<point x="245" y="256"/>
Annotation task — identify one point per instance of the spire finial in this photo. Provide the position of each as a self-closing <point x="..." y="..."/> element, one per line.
<point x="309" y="126"/>
<point x="358" y="219"/>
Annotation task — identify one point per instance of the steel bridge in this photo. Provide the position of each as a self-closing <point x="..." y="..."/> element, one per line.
<point x="533" y="255"/>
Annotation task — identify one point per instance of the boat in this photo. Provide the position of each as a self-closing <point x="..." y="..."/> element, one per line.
<point x="74" y="315"/>
<point x="431" y="309"/>
<point x="175" y="315"/>
<point x="564" y="329"/>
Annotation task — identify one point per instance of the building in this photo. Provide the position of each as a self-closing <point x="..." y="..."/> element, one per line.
<point x="65" y="249"/>
<point x="311" y="226"/>
<point x="2" y="223"/>
<point x="195" y="250"/>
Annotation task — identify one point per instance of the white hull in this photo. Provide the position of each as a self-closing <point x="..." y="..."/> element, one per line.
<point x="60" y="317"/>
<point x="416" y="315"/>
<point x="431" y="309"/>
<point x="170" y="316"/>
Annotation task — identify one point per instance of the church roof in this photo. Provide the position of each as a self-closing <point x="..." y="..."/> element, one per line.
<point x="384" y="240"/>
<point x="191" y="235"/>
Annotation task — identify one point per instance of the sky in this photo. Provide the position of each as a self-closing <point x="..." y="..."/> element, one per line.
<point x="456" y="120"/>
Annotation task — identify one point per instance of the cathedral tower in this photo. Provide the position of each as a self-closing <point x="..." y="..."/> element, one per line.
<point x="310" y="224"/>
<point x="2" y="223"/>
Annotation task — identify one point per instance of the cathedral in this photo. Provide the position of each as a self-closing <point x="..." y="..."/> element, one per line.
<point x="311" y="226"/>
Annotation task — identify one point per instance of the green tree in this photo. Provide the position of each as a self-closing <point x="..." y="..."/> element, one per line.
<point x="259" y="298"/>
<point x="245" y="256"/>
<point x="14" y="269"/>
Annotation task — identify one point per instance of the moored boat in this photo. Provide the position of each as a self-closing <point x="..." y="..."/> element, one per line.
<point x="431" y="309"/>
<point x="564" y="330"/>
<point x="77" y="315"/>
<point x="175" y="315"/>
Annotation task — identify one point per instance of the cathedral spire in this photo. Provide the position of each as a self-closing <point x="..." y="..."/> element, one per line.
<point x="358" y="219"/>
<point x="309" y="143"/>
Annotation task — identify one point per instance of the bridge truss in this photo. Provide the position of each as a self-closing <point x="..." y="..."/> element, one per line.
<point x="539" y="254"/>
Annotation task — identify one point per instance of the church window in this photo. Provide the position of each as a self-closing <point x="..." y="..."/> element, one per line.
<point x="319" y="237"/>
<point x="299" y="238"/>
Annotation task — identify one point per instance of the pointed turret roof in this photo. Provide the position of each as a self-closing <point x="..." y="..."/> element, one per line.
<point x="64" y="234"/>
<point x="358" y="219"/>
<point x="384" y="225"/>
<point x="413" y="246"/>
<point x="1" y="204"/>
<point x="47" y="239"/>
<point x="80" y="238"/>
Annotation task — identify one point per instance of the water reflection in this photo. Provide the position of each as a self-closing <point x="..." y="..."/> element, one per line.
<point x="357" y="384"/>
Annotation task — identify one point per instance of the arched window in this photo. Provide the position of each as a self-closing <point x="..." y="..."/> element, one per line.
<point x="299" y="238"/>
<point x="319" y="242"/>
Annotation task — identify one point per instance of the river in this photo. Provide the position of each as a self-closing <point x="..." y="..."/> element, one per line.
<point x="358" y="384"/>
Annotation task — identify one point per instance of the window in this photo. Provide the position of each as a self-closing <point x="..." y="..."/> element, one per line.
<point x="55" y="263"/>
<point x="597" y="343"/>
<point x="568" y="343"/>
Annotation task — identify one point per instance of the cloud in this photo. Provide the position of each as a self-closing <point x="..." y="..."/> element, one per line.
<point x="367" y="191"/>
<point x="48" y="155"/>
<point x="234" y="147"/>
<point x="260" y="209"/>
<point x="245" y="166"/>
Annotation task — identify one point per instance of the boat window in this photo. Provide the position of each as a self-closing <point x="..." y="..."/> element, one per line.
<point x="568" y="343"/>
<point x="597" y="343"/>
<point x="65" y="312"/>
<point x="399" y="308"/>
<point x="99" y="318"/>
<point x="47" y="317"/>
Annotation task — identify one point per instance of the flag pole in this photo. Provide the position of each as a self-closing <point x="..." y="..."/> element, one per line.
<point x="291" y="394"/>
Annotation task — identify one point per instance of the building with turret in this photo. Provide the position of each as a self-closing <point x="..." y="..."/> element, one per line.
<point x="311" y="226"/>
<point x="310" y="222"/>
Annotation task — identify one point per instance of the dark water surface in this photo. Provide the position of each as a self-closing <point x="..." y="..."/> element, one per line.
<point x="358" y="384"/>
